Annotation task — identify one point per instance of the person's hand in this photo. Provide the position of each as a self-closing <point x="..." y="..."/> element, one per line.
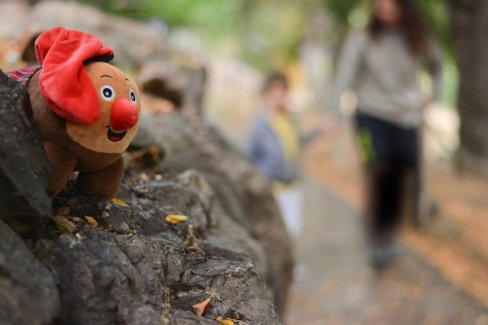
<point x="426" y="103"/>
<point x="331" y="126"/>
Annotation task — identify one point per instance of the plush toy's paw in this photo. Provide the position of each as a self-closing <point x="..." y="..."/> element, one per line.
<point x="103" y="183"/>
<point x="63" y="163"/>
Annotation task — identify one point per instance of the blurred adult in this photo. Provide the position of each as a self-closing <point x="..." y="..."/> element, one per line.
<point x="381" y="64"/>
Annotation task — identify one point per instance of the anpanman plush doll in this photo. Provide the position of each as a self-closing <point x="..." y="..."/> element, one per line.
<point x="86" y="110"/>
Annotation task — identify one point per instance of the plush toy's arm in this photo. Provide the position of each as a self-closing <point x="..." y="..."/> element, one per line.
<point x="102" y="183"/>
<point x="63" y="163"/>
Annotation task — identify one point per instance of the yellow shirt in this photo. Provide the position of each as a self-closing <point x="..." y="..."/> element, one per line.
<point x="287" y="135"/>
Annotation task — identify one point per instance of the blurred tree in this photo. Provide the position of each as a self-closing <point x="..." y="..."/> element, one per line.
<point x="244" y="24"/>
<point x="272" y="43"/>
<point x="469" y="24"/>
<point x="342" y="8"/>
<point x="436" y="12"/>
<point x="462" y="26"/>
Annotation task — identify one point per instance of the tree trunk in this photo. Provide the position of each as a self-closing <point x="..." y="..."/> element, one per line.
<point x="469" y="25"/>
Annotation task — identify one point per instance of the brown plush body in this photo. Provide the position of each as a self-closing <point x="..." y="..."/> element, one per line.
<point x="86" y="148"/>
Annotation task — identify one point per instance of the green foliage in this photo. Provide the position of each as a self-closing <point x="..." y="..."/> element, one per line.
<point x="273" y="42"/>
<point x="267" y="33"/>
<point x="437" y="14"/>
<point x="214" y="14"/>
<point x="341" y="8"/>
<point x="435" y="11"/>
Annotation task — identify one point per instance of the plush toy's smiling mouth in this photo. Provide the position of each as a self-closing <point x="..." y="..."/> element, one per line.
<point x="115" y="136"/>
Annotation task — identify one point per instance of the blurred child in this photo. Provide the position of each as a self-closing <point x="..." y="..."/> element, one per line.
<point x="275" y="146"/>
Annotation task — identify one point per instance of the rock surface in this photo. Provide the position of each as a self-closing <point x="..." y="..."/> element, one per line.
<point x="114" y="262"/>
<point x="244" y="194"/>
<point x="23" y="163"/>
<point x="135" y="43"/>
<point x="134" y="267"/>
<point x="28" y="293"/>
<point x="124" y="262"/>
<point x="182" y="86"/>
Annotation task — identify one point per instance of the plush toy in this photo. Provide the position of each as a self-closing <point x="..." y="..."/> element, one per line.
<point x="86" y="110"/>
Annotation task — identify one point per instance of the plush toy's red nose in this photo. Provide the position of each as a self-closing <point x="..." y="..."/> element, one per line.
<point x="124" y="115"/>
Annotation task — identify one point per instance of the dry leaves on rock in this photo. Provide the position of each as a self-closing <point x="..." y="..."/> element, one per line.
<point x="174" y="218"/>
<point x="91" y="221"/>
<point x="143" y="177"/>
<point x="202" y="307"/>
<point x="229" y="321"/>
<point x="64" y="224"/>
<point x="119" y="202"/>
<point x="225" y="321"/>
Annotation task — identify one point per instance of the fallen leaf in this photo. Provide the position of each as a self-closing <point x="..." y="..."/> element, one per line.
<point x="91" y="221"/>
<point x="174" y="218"/>
<point x="202" y="307"/>
<point x="143" y="177"/>
<point x="64" y="224"/>
<point x="225" y="321"/>
<point x="119" y="202"/>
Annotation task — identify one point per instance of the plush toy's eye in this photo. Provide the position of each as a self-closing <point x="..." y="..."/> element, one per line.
<point x="107" y="92"/>
<point x="132" y="96"/>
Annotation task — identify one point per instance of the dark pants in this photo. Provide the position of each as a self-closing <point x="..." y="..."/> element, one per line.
<point x="390" y="154"/>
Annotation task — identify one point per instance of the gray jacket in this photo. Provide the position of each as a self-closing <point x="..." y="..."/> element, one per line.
<point x="264" y="150"/>
<point x="384" y="75"/>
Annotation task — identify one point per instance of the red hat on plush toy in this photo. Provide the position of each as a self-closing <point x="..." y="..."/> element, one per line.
<point x="64" y="81"/>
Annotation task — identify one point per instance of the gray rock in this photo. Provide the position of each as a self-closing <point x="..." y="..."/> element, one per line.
<point x="181" y="85"/>
<point x="28" y="294"/>
<point x="163" y="79"/>
<point x="156" y="270"/>
<point x="133" y="266"/>
<point x="243" y="193"/>
<point x="24" y="166"/>
<point x="13" y="15"/>
<point x="134" y="43"/>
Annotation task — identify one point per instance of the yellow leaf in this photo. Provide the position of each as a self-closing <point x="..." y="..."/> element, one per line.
<point x="143" y="177"/>
<point x="64" y="224"/>
<point x="225" y="321"/>
<point x="174" y="218"/>
<point x="202" y="307"/>
<point x="91" y="221"/>
<point x="119" y="202"/>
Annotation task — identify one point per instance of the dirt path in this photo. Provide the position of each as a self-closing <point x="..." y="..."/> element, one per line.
<point x="334" y="284"/>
